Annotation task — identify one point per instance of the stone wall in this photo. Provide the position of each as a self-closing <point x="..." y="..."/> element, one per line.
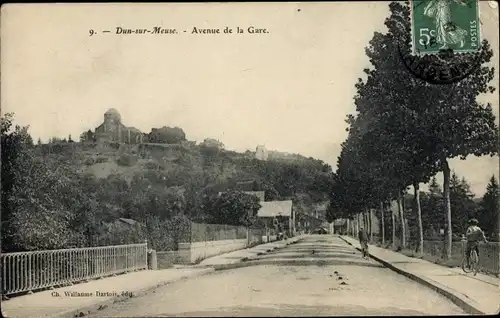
<point x="167" y="259"/>
<point x="197" y="251"/>
<point x="190" y="253"/>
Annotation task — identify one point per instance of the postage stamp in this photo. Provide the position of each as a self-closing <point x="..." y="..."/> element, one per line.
<point x="445" y="24"/>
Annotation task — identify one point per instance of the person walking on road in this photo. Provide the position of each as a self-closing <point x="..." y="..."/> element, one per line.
<point x="363" y="241"/>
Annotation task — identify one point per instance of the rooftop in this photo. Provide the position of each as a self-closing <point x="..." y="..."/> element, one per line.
<point x="275" y="208"/>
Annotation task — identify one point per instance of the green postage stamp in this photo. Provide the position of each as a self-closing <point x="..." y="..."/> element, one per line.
<point x="445" y="24"/>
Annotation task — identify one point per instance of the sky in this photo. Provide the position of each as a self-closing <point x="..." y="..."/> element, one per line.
<point x="289" y="89"/>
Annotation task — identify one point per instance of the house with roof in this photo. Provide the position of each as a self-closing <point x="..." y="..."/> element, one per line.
<point x="277" y="214"/>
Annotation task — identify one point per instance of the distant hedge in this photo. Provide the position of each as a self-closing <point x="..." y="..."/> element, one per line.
<point x="126" y="160"/>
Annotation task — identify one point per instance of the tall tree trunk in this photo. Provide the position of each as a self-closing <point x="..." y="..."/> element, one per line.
<point x="446" y="193"/>
<point x="367" y="222"/>
<point x="383" y="222"/>
<point x="370" y="219"/>
<point x="393" y="229"/>
<point x="367" y="218"/>
<point x="248" y="236"/>
<point x="363" y="216"/>
<point x="401" y="215"/>
<point x="355" y="228"/>
<point x="357" y="224"/>
<point x="368" y="225"/>
<point x="416" y="187"/>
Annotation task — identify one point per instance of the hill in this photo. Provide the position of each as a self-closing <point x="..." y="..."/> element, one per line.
<point x="79" y="188"/>
<point x="177" y="164"/>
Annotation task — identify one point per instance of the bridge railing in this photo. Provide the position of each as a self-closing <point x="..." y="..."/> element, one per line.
<point x="29" y="271"/>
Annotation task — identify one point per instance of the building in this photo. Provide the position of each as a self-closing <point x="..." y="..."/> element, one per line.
<point x="261" y="153"/>
<point x="276" y="210"/>
<point x="320" y="210"/>
<point x="112" y="130"/>
<point x="340" y="226"/>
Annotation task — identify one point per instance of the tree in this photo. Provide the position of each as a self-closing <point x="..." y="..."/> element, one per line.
<point x="38" y="195"/>
<point x="233" y="208"/>
<point x="212" y="143"/>
<point x="270" y="193"/>
<point x="432" y="204"/>
<point x="358" y="184"/>
<point x="489" y="215"/>
<point x="167" y="135"/>
<point x="179" y="226"/>
<point x="462" y="205"/>
<point x="210" y="150"/>
<point x="429" y="123"/>
<point x="434" y="187"/>
<point x="87" y="136"/>
<point x="15" y="149"/>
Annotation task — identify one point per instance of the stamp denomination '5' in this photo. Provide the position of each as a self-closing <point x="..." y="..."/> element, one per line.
<point x="445" y="24"/>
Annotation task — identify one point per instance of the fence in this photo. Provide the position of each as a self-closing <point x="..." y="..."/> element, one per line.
<point x="255" y="236"/>
<point x="216" y="232"/>
<point x="489" y="253"/>
<point x="29" y="271"/>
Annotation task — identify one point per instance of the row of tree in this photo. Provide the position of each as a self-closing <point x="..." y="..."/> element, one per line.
<point x="463" y="204"/>
<point x="406" y="130"/>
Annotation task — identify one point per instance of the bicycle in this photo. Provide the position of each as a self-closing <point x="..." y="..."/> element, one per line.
<point x="473" y="262"/>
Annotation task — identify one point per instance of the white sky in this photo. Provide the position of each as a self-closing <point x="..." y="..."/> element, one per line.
<point x="289" y="90"/>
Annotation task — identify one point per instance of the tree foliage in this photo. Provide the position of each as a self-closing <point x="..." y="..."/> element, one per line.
<point x="489" y="212"/>
<point x="166" y="135"/>
<point x="232" y="208"/>
<point x="406" y="129"/>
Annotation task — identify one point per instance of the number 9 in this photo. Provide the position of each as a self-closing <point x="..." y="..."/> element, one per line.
<point x="91" y="32"/>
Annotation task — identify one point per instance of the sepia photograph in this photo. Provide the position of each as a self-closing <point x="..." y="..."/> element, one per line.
<point x="252" y="159"/>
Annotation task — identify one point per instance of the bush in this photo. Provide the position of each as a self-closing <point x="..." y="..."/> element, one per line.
<point x="126" y="160"/>
<point x="101" y="159"/>
<point x="89" y="161"/>
<point x="114" y="145"/>
<point x="151" y="164"/>
<point x="118" y="234"/>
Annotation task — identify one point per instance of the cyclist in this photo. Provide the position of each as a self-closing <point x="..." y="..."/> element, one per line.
<point x="474" y="235"/>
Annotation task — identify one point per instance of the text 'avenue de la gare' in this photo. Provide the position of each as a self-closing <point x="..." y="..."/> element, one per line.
<point x="194" y="30"/>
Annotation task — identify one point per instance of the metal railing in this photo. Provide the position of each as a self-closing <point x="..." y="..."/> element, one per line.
<point x="29" y="271"/>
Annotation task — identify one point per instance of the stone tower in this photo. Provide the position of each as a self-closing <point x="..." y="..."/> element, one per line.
<point x="113" y="124"/>
<point x="261" y="152"/>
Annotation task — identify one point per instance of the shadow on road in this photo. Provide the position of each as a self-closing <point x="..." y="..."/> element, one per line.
<point x="311" y="262"/>
<point x="301" y="256"/>
<point x="287" y="310"/>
